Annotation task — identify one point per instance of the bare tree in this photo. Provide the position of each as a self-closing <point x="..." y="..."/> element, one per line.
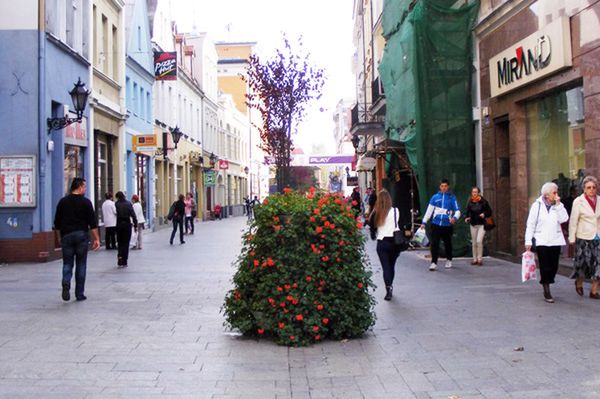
<point x="280" y="89"/>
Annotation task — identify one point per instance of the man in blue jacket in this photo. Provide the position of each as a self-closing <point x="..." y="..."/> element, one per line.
<point x="444" y="211"/>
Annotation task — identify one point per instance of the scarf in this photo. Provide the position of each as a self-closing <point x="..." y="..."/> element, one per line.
<point x="591" y="201"/>
<point x="476" y="198"/>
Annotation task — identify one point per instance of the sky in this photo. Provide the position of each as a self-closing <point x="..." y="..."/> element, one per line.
<point x="325" y="26"/>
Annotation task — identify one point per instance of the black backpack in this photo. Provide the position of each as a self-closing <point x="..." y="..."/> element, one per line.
<point x="171" y="214"/>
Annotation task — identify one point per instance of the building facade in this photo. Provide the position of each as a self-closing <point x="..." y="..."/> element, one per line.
<point x="46" y="52"/>
<point x="139" y="81"/>
<point x="107" y="102"/>
<point x="538" y="63"/>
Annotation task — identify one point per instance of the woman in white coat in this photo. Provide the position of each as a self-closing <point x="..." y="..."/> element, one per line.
<point x="543" y="224"/>
<point x="584" y="233"/>
<point x="139" y="214"/>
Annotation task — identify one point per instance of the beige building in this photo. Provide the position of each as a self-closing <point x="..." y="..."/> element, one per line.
<point x="107" y="101"/>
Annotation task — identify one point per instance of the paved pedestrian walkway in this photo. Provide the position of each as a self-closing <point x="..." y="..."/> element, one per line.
<point x="154" y="330"/>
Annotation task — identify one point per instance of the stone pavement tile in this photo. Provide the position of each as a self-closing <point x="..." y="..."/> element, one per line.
<point x="494" y="393"/>
<point x="538" y="393"/>
<point x="443" y="394"/>
<point x="370" y="386"/>
<point x="417" y="381"/>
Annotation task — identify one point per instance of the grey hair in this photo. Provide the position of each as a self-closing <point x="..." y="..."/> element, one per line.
<point x="590" y="178"/>
<point x="547" y="188"/>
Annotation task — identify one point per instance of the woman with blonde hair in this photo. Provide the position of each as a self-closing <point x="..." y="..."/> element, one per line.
<point x="385" y="219"/>
<point x="585" y="234"/>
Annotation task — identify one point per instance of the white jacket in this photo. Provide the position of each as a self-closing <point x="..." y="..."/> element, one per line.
<point x="109" y="213"/>
<point x="388" y="227"/>
<point x="584" y="221"/>
<point x="547" y="230"/>
<point x="139" y="212"/>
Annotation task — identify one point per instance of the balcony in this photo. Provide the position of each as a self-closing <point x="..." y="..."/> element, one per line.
<point x="378" y="97"/>
<point x="364" y="122"/>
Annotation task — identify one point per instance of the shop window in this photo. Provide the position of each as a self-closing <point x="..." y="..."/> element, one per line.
<point x="72" y="165"/>
<point x="556" y="142"/>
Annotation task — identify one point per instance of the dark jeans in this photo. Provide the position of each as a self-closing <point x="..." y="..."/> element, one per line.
<point x="444" y="233"/>
<point x="123" y="238"/>
<point x="111" y="237"/>
<point x="176" y="223"/>
<point x="74" y="252"/>
<point x="548" y="261"/>
<point x="388" y="253"/>
<point x="189" y="224"/>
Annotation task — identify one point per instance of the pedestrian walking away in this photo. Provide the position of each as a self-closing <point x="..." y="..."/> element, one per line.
<point x="75" y="219"/>
<point x="141" y="220"/>
<point x="177" y="214"/>
<point x="189" y="216"/>
<point x="543" y="227"/>
<point x="584" y="232"/>
<point x="444" y="211"/>
<point x="475" y="213"/>
<point x="385" y="219"/>
<point x="126" y="220"/>
<point x="109" y="217"/>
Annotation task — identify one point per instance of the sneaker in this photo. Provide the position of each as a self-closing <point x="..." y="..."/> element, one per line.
<point x="66" y="296"/>
<point x="432" y="267"/>
<point x="448" y="264"/>
<point x="81" y="298"/>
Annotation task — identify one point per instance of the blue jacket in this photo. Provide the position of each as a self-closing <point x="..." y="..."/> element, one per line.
<point x="442" y="206"/>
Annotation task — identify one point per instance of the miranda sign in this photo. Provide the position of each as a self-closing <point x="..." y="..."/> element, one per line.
<point x="538" y="55"/>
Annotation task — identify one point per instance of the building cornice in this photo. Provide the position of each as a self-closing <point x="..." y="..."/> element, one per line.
<point x="102" y="76"/>
<point x="68" y="49"/>
<point x="139" y="68"/>
<point x="498" y="17"/>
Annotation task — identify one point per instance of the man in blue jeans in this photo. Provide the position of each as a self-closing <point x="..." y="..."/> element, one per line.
<point x="74" y="218"/>
<point x="444" y="211"/>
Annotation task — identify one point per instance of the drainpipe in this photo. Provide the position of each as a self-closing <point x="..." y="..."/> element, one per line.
<point x="42" y="128"/>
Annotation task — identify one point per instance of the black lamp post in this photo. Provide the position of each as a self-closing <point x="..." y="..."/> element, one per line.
<point x="176" y="134"/>
<point x="355" y="142"/>
<point x="246" y="169"/>
<point x="79" y="96"/>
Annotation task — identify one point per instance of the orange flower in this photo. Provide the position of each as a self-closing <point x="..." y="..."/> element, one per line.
<point x="332" y="226"/>
<point x="256" y="263"/>
<point x="325" y="258"/>
<point x="279" y="289"/>
<point x="317" y="337"/>
<point x="287" y="190"/>
<point x="323" y="218"/>
<point x="308" y="278"/>
<point x="316" y="211"/>
<point x="320" y="307"/>
<point x="359" y="225"/>
<point x="299" y="317"/>
<point x="354" y="203"/>
<point x="266" y="201"/>
<point x="271" y="300"/>
<point x="287" y="287"/>
<point x="325" y="320"/>
<point x="326" y="224"/>
<point x="292" y="338"/>
<point x="319" y="230"/>
<point x="261" y="331"/>
<point x="312" y="219"/>
<point x="315" y="328"/>
<point x="276" y="218"/>
<point x="277" y="227"/>
<point x="359" y="285"/>
<point x="342" y="243"/>
<point x="281" y="325"/>
<point x="270" y="262"/>
<point x="295" y="302"/>
<point x="294" y="285"/>
<point x="289" y="298"/>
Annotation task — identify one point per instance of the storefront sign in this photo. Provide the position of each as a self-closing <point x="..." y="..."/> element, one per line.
<point x="76" y="133"/>
<point x="17" y="181"/>
<point x="329" y="160"/>
<point x="210" y="178"/>
<point x="165" y="65"/>
<point x="144" y="143"/>
<point x="223" y="164"/>
<point x="538" y="55"/>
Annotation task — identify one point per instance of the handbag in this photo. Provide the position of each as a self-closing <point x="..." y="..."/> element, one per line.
<point x="489" y="223"/>
<point x="533" y="241"/>
<point x="400" y="239"/>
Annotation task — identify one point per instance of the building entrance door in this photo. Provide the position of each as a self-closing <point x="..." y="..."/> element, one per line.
<point x="502" y="189"/>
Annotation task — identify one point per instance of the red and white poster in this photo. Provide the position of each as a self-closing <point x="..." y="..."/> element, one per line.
<point x="223" y="164"/>
<point x="17" y="181"/>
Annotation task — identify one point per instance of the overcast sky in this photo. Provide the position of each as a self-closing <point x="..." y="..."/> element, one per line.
<point x="326" y="29"/>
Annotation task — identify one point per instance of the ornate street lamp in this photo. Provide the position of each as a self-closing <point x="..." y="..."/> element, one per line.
<point x="79" y="96"/>
<point x="176" y="134"/>
<point x="355" y="142"/>
<point x="246" y="169"/>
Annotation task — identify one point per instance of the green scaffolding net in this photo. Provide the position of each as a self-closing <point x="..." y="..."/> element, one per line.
<point x="426" y="74"/>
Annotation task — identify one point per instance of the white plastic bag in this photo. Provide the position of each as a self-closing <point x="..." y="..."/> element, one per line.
<point x="133" y="239"/>
<point x="421" y="238"/>
<point x="528" y="267"/>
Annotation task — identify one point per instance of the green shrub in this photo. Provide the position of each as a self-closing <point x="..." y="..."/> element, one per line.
<point x="301" y="276"/>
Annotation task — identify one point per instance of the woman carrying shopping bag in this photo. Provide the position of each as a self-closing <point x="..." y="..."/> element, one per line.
<point x="544" y="234"/>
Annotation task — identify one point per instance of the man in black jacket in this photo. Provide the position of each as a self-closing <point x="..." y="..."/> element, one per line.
<point x="178" y="215"/>
<point x="125" y="216"/>
<point x="75" y="218"/>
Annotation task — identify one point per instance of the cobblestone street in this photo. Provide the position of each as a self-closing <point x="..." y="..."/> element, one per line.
<point x="155" y="330"/>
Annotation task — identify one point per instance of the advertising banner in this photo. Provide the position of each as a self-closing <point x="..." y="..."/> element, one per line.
<point x="17" y="181"/>
<point x="165" y="65"/>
